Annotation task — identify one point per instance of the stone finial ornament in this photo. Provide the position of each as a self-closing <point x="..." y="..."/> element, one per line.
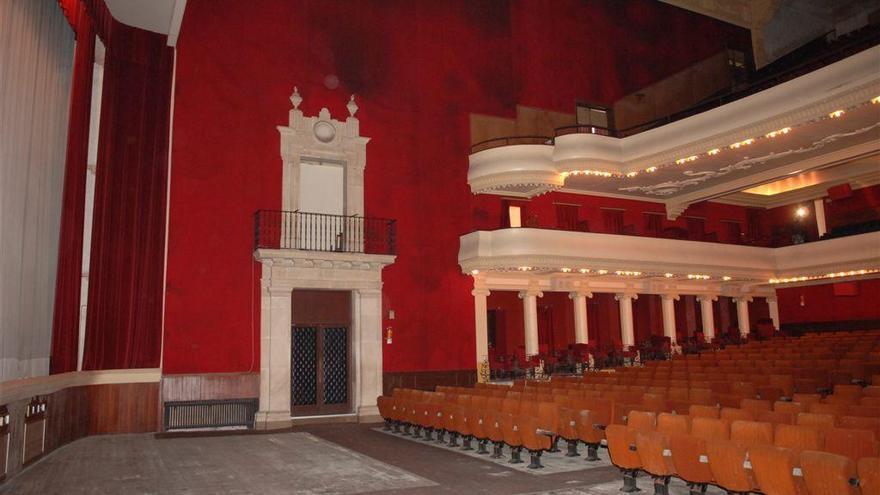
<point x="295" y="98"/>
<point x="352" y="106"/>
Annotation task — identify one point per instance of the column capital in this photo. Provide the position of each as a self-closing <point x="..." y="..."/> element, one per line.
<point x="530" y="292"/>
<point x="580" y="293"/>
<point x="771" y="299"/>
<point x="743" y="298"/>
<point x="674" y="297"/>
<point x="707" y="297"/>
<point x="625" y="295"/>
<point x="480" y="292"/>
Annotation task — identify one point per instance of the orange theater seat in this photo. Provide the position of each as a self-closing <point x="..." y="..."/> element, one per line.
<point x="727" y="459"/>
<point x="622" y="445"/>
<point x="689" y="453"/>
<point x="869" y="474"/>
<point x="772" y="467"/>
<point x="534" y="439"/>
<point x="854" y="444"/>
<point x="829" y="474"/>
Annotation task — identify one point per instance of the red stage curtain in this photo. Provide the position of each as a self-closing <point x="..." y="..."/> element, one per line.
<point x="124" y="316"/>
<point x="65" y="325"/>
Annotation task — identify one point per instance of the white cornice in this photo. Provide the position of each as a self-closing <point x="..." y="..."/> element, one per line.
<point x="26" y="388"/>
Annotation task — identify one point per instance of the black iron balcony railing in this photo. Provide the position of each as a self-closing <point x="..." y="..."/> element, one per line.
<point x="322" y="232"/>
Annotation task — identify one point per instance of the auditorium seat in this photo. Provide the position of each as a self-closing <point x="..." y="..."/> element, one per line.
<point x="756" y="405"/>
<point x="652" y="448"/>
<point x="689" y="454"/>
<point x="727" y="458"/>
<point x="534" y="438"/>
<point x="869" y="475"/>
<point x="830" y="474"/>
<point x="734" y="414"/>
<point x="703" y="411"/>
<point x="851" y="443"/>
<point x="512" y="436"/>
<point x="622" y="445"/>
<point x="832" y="409"/>
<point x="772" y="468"/>
<point x="789" y="407"/>
<point x="775" y="417"/>
<point x="861" y="423"/>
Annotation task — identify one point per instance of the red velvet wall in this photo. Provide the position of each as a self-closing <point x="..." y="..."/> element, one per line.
<point x="419" y="69"/>
<point x="862" y="204"/>
<point x="820" y="303"/>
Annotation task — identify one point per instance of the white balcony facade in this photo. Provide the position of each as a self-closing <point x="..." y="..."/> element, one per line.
<point x="829" y="116"/>
<point x="534" y="261"/>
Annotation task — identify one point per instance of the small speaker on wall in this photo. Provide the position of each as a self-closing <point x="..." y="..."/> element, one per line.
<point x="841" y="191"/>
<point x="846" y="289"/>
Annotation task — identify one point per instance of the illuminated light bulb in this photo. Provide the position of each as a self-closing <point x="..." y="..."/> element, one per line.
<point x="651" y="169"/>
<point x="836" y="114"/>
<point x="773" y="134"/>
<point x="801" y="212"/>
<point x="744" y="142"/>
<point x="875" y="100"/>
<point x="713" y="151"/>
<point x="632" y="174"/>
<point x="602" y="272"/>
<point x="564" y="175"/>
<point x="685" y="160"/>
<point x="566" y="270"/>
<point x="525" y="268"/>
<point x="725" y="278"/>
<point x="584" y="270"/>
<point x="668" y="275"/>
<point x="475" y="272"/>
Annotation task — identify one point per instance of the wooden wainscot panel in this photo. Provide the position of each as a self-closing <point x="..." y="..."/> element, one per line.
<point x="34" y="430"/>
<point x="124" y="408"/>
<point x="4" y="441"/>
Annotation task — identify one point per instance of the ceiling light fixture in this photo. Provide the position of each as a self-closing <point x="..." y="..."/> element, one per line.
<point x="713" y="151"/>
<point x="836" y="114"/>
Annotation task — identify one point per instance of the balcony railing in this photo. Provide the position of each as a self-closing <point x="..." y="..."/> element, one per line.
<point x="322" y="232"/>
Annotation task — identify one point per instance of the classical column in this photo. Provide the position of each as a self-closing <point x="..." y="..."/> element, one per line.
<point x="667" y="304"/>
<point x="368" y="342"/>
<point x="819" y="207"/>
<point x="773" y="304"/>
<point x="627" y="332"/>
<point x="481" y="326"/>
<point x="742" y="314"/>
<point x="530" y="319"/>
<point x="581" y="332"/>
<point x="708" y="316"/>
<point x="275" y="328"/>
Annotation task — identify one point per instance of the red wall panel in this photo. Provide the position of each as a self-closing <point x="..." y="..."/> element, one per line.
<point x="419" y="69"/>
<point x="820" y="303"/>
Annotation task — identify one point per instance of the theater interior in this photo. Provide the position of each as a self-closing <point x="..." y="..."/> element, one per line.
<point x="440" y="246"/>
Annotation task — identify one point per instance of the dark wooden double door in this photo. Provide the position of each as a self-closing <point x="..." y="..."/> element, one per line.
<point x="321" y="359"/>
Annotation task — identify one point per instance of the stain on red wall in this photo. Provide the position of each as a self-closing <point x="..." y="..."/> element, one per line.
<point x="418" y="69"/>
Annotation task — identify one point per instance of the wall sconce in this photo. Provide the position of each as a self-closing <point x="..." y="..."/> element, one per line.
<point x="801" y="212"/>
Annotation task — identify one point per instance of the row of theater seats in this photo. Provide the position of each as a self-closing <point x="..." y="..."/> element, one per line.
<point x="535" y="415"/>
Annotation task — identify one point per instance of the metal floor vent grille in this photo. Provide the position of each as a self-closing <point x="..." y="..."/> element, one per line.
<point x="182" y="415"/>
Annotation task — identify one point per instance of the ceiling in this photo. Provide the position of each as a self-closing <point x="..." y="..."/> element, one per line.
<point x="158" y="16"/>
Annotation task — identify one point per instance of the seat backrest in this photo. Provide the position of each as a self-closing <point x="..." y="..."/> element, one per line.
<point x="673" y="423"/>
<point x="710" y="428"/>
<point x="848" y="390"/>
<point x="851" y="443"/>
<point x="641" y="421"/>
<point x="869" y="474"/>
<point x="832" y="409"/>
<point x="748" y="433"/>
<point x="860" y="423"/>
<point x="828" y="474"/>
<point x="806" y="398"/>
<point x="797" y="438"/>
<point x="703" y="411"/>
<point x="755" y="405"/>
<point x="789" y="407"/>
<point x="733" y="414"/>
<point x="775" y="417"/>
<point x="815" y="420"/>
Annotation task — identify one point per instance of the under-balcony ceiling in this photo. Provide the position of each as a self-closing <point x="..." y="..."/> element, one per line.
<point x="819" y="120"/>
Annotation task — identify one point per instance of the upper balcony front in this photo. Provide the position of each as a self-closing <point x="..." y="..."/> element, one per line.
<point x="818" y="120"/>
